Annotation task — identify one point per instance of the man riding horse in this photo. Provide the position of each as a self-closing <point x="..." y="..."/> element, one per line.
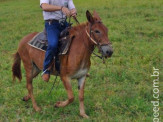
<point x="54" y="13"/>
<point x="73" y="65"/>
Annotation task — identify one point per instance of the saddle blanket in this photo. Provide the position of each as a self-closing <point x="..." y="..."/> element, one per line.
<point x="40" y="42"/>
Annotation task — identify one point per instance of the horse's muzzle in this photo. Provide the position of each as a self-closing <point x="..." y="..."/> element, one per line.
<point x="106" y="50"/>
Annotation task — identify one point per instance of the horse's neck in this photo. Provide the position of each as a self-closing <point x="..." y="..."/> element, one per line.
<point x="83" y="44"/>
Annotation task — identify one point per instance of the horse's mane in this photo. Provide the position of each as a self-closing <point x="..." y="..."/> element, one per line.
<point x="75" y="30"/>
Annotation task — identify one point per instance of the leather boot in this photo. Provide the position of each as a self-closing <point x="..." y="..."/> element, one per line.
<point x="46" y="77"/>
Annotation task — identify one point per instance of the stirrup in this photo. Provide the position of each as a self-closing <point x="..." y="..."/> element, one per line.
<point x="44" y="72"/>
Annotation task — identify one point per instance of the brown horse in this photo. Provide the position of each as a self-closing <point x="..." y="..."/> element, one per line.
<point x="74" y="65"/>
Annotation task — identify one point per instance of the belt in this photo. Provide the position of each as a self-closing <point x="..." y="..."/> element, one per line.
<point x="51" y="20"/>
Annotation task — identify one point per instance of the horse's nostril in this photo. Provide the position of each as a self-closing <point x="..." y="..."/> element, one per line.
<point x="107" y="52"/>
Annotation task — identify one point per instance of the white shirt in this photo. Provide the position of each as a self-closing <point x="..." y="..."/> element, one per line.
<point x="57" y="14"/>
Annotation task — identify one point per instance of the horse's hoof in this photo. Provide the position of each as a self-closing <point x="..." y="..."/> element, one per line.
<point x="87" y="75"/>
<point x="57" y="105"/>
<point x="26" y="98"/>
<point x="84" y="116"/>
<point x="61" y="104"/>
<point x="37" y="109"/>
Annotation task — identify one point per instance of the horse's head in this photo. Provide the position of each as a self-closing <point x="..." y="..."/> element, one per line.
<point x="98" y="33"/>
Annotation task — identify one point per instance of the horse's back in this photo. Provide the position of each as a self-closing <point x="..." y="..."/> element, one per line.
<point x="28" y="53"/>
<point x="24" y="41"/>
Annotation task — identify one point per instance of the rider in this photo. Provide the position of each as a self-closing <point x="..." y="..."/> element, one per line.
<point x="55" y="13"/>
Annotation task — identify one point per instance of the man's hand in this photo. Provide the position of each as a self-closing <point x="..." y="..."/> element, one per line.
<point x="66" y="11"/>
<point x="73" y="12"/>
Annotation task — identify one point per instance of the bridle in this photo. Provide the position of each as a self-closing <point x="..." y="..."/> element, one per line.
<point x="93" y="39"/>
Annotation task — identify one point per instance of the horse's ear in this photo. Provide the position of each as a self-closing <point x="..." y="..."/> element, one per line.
<point x="96" y="16"/>
<point x="89" y="17"/>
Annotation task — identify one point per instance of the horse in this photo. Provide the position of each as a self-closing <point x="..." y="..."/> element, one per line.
<point x="74" y="65"/>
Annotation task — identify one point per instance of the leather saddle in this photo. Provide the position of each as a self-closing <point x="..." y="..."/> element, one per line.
<point x="40" y="41"/>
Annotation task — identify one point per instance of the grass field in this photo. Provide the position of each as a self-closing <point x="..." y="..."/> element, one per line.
<point x="120" y="92"/>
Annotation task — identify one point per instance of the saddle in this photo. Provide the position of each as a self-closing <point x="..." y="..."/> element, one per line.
<point x="40" y="42"/>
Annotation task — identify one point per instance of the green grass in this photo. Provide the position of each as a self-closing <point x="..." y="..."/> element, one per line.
<point x="120" y="92"/>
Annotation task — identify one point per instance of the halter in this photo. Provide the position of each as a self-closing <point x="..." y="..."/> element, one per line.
<point x="94" y="40"/>
<point x="91" y="38"/>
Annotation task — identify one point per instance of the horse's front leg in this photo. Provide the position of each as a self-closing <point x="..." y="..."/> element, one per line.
<point x="81" y="83"/>
<point x="67" y="85"/>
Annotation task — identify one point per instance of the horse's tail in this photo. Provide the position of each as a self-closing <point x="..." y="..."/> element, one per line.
<point x="16" y="67"/>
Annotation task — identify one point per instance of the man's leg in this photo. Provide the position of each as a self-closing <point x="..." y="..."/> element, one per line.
<point x="53" y="36"/>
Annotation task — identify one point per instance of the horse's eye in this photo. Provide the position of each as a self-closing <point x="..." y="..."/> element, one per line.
<point x="96" y="31"/>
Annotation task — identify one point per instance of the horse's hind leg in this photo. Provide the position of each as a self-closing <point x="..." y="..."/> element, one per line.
<point x="67" y="85"/>
<point x="35" y="72"/>
<point x="29" y="76"/>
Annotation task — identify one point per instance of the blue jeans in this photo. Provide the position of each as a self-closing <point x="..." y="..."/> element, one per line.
<point x="53" y="31"/>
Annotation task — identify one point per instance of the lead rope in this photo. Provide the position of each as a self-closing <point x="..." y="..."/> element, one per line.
<point x="53" y="85"/>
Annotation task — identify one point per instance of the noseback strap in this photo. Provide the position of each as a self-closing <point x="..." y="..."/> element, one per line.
<point x="91" y="38"/>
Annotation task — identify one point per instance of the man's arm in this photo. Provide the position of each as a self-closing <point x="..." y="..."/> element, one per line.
<point x="73" y="12"/>
<point x="51" y="8"/>
<point x="71" y="6"/>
